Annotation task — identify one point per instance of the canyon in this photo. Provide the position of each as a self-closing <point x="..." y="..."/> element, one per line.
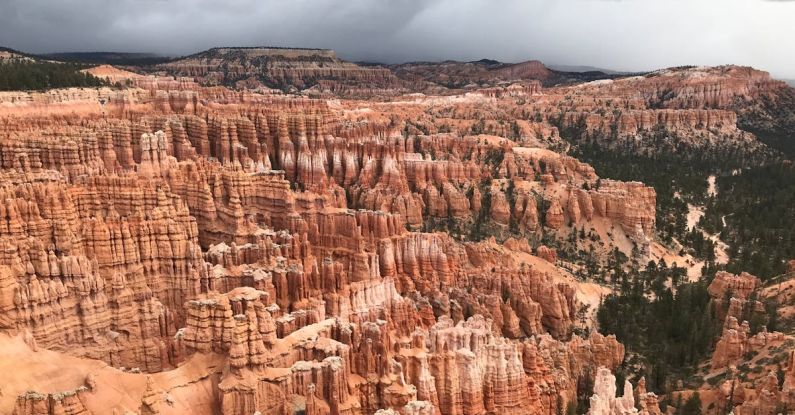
<point x="279" y="231"/>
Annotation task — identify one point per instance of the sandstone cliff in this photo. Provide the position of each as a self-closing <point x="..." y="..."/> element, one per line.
<point x="267" y="253"/>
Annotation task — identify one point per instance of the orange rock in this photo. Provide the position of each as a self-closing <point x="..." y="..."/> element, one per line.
<point x="547" y="254"/>
<point x="158" y="225"/>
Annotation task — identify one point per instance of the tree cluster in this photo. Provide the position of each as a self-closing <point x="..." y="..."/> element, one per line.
<point x="671" y="330"/>
<point x="25" y="75"/>
<point x="758" y="208"/>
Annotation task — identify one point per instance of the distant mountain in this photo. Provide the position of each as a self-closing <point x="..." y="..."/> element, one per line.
<point x="323" y="71"/>
<point x="111" y="58"/>
<point x="455" y="75"/>
<point x="585" y="68"/>
<point x="8" y="54"/>
<point x="88" y="58"/>
<point x="22" y="71"/>
<point x="485" y="72"/>
<point x="282" y="68"/>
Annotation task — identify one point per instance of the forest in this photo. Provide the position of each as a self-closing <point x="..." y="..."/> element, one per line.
<point x="756" y="201"/>
<point x="670" y="333"/>
<point x="677" y="182"/>
<point x="37" y="75"/>
<point x="758" y="207"/>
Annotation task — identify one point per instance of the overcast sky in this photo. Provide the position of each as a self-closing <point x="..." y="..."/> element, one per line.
<point x="613" y="34"/>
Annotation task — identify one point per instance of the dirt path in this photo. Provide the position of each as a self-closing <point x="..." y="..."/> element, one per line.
<point x="694" y="214"/>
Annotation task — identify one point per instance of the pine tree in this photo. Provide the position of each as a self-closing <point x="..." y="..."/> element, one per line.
<point x="693" y="405"/>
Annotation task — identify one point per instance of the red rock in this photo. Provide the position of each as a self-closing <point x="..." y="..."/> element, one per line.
<point x="732" y="344"/>
<point x="738" y="286"/>
<point x="554" y="217"/>
<point x="278" y="237"/>
<point x="548" y="254"/>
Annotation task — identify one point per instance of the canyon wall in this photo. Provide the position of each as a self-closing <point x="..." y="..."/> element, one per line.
<point x="155" y="234"/>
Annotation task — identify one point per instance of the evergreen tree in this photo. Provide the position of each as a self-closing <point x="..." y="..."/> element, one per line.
<point x="693" y="405"/>
<point x="26" y="75"/>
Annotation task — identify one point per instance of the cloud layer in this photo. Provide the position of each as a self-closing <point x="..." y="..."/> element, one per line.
<point x="622" y="35"/>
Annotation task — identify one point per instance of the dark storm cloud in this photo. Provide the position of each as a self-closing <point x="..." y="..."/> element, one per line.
<point x="616" y="34"/>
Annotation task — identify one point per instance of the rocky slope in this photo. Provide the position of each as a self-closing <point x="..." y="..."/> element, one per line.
<point x="457" y="75"/>
<point x="11" y="55"/>
<point x="672" y="109"/>
<point x="751" y="370"/>
<point x="453" y="76"/>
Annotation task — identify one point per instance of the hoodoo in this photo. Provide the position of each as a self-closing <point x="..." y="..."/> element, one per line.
<point x="282" y="231"/>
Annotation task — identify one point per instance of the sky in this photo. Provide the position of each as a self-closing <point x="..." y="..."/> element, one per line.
<point x="627" y="35"/>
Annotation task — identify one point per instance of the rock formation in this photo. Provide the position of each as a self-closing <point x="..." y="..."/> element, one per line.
<point x="149" y="229"/>
<point x="282" y="68"/>
<point x="604" y="400"/>
<point x="189" y="248"/>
